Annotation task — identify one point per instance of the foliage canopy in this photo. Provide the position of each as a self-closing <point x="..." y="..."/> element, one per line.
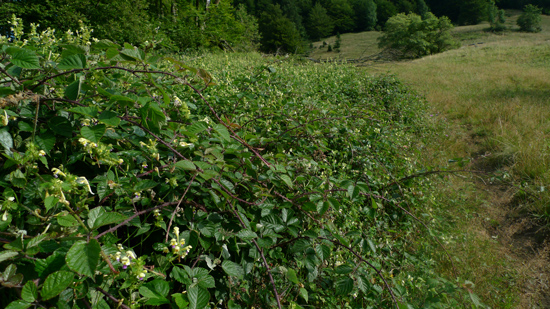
<point x="530" y="19"/>
<point x="415" y="37"/>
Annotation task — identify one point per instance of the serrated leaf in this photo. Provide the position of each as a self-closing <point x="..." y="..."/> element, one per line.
<point x="73" y="90"/>
<point x="133" y="54"/>
<point x="246" y="234"/>
<point x="61" y="126"/>
<point x="322" y="207"/>
<point x="109" y="118"/>
<point x="222" y="131"/>
<point x="287" y="180"/>
<point x="353" y="192"/>
<point x="29" y="293"/>
<point x="154" y="298"/>
<point x="304" y="294"/>
<point x="344" y="286"/>
<point x="152" y="116"/>
<point x="83" y="257"/>
<point x="323" y="252"/>
<point x="233" y="269"/>
<point x="24" y="58"/>
<point x="93" y="134"/>
<point x="98" y="217"/>
<point x="197" y="127"/>
<point x="145" y="185"/>
<point x="50" y="202"/>
<point x="67" y="220"/>
<point x="6" y="141"/>
<point x="198" y="297"/>
<point x="85" y="110"/>
<point x="291" y="275"/>
<point x="56" y="283"/>
<point x="6" y="255"/>
<point x="372" y="246"/>
<point x="186" y="165"/>
<point x="180" y="301"/>
<point x="18" y="304"/>
<point x="344" y="269"/>
<point x="74" y="61"/>
<point x="46" y="141"/>
<point x="208" y="174"/>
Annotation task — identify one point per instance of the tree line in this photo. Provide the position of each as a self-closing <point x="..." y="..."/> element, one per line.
<point x="270" y="25"/>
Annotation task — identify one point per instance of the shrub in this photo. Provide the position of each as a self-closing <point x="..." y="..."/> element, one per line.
<point x="128" y="180"/>
<point x="416" y="37"/>
<point x="496" y="18"/>
<point x="530" y="19"/>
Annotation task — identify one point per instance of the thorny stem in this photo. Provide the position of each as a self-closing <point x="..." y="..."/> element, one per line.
<point x="139" y="213"/>
<point x="336" y="242"/>
<point x="277" y="297"/>
<point x="178" y="206"/>
<point x="112" y="298"/>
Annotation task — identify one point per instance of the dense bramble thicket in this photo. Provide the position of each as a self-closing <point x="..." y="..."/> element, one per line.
<point x="133" y="180"/>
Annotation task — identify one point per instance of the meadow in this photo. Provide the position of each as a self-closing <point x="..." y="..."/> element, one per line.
<point x="490" y="100"/>
<point x="234" y="180"/>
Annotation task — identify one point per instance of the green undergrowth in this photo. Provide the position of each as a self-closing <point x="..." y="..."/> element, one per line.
<point x="226" y="181"/>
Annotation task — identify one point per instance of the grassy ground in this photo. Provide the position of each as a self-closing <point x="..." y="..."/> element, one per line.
<point x="490" y="100"/>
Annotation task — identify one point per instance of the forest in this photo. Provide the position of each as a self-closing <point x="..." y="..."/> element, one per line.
<point x="239" y="25"/>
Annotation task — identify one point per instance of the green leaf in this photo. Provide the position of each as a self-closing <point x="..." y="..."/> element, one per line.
<point x="93" y="134"/>
<point x="109" y="118"/>
<point x="180" y="300"/>
<point x="83" y="257"/>
<point x="56" y="283"/>
<point x="85" y="110"/>
<point x="372" y="246"/>
<point x="6" y="255"/>
<point x="145" y="185"/>
<point x="233" y="269"/>
<point x="322" y="207"/>
<point x="50" y="202"/>
<point x="154" y="298"/>
<point x="18" y="304"/>
<point x="222" y="130"/>
<point x="73" y="90"/>
<point x="74" y="61"/>
<point x="353" y="192"/>
<point x="186" y="165"/>
<point x="98" y="217"/>
<point x="24" y="58"/>
<point x="344" y="269"/>
<point x="29" y="293"/>
<point x="287" y="180"/>
<point x="46" y="141"/>
<point x="246" y="234"/>
<point x="152" y="116"/>
<point x="104" y="44"/>
<point x="6" y="140"/>
<point x="198" y="297"/>
<point x="304" y="294"/>
<point x="197" y="127"/>
<point x="291" y="275"/>
<point x="61" y="126"/>
<point x="133" y="54"/>
<point x="344" y="286"/>
<point x="208" y="174"/>
<point x="323" y="252"/>
<point x="67" y="220"/>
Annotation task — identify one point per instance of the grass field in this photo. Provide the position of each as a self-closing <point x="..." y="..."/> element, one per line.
<point x="490" y="101"/>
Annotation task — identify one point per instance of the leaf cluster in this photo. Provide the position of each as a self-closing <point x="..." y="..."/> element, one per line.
<point x="131" y="179"/>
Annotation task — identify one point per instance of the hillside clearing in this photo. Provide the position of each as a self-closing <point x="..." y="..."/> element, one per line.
<point x="489" y="100"/>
